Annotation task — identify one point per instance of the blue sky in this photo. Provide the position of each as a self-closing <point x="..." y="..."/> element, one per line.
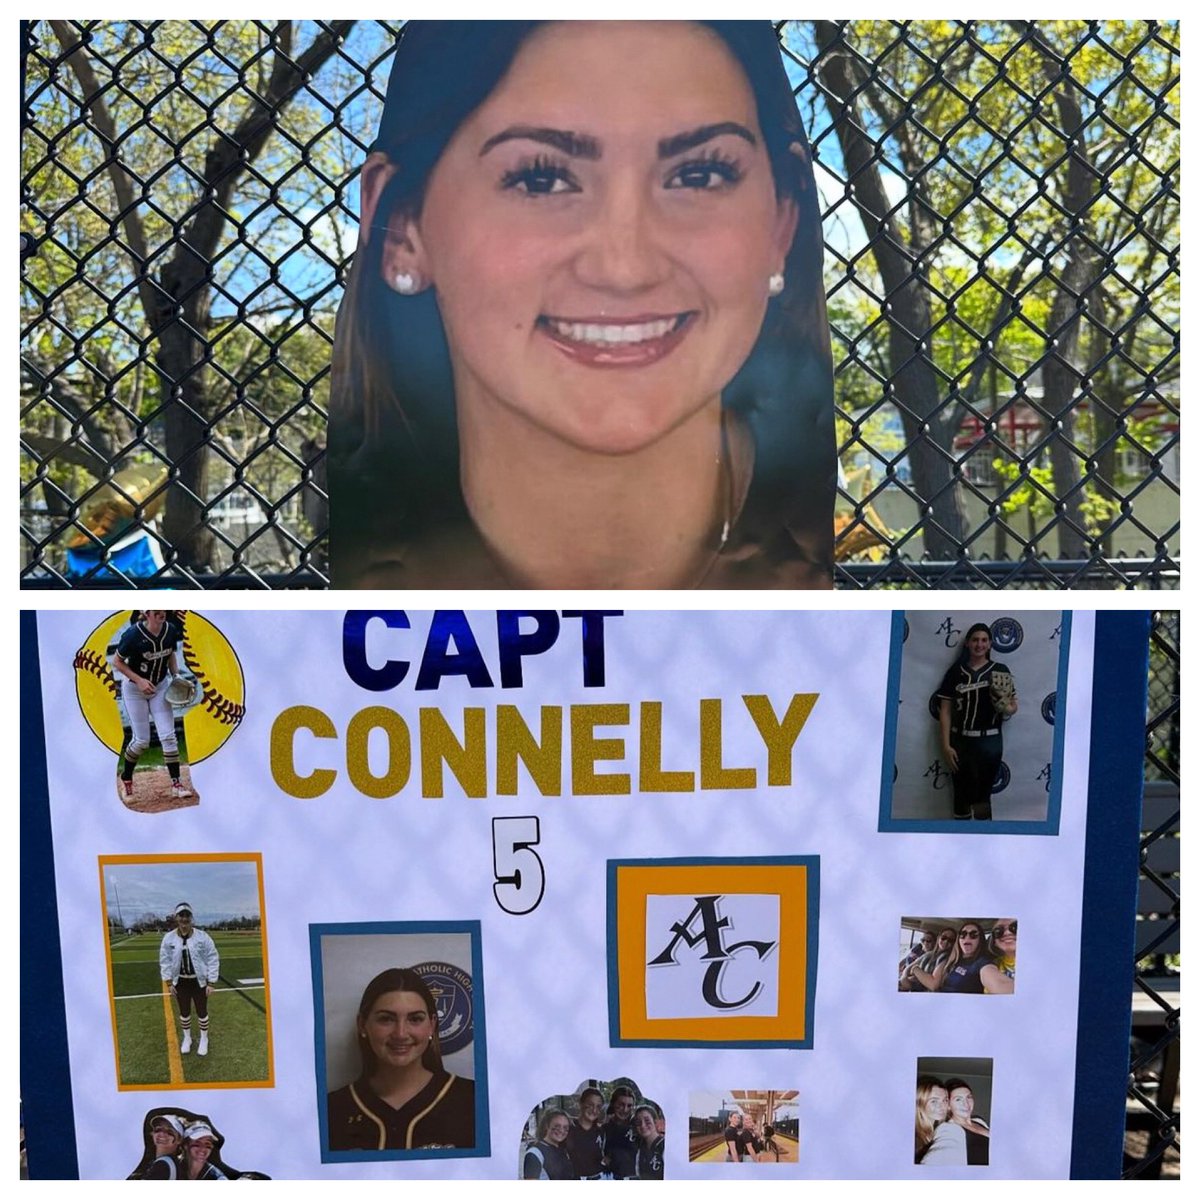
<point x="216" y="890"/>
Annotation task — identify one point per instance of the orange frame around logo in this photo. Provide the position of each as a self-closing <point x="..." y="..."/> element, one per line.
<point x="793" y="880"/>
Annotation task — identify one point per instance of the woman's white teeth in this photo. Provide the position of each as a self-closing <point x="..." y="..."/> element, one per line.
<point x="607" y="335"/>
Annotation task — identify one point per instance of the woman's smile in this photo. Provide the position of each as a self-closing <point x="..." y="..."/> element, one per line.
<point x="614" y="342"/>
<point x="398" y="1028"/>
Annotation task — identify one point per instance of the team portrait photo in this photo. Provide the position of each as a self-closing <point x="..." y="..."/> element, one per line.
<point x="605" y="1129"/>
<point x="741" y="1126"/>
<point x="400" y="1047"/>
<point x="958" y="954"/>
<point x="188" y="982"/>
<point x="163" y="689"/>
<point x="974" y="735"/>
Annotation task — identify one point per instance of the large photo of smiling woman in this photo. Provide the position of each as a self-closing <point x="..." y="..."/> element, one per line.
<point x="583" y="342"/>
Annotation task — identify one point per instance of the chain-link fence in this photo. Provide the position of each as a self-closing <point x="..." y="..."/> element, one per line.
<point x="1001" y="208"/>
<point x="1152" y="1111"/>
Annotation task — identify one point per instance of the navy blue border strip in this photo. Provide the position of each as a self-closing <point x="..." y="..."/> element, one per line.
<point x="1110" y="883"/>
<point x="483" y="1139"/>
<point x="48" y="1114"/>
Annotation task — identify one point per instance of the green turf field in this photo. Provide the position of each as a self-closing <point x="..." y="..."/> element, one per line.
<point x="152" y="756"/>
<point x="237" y="1020"/>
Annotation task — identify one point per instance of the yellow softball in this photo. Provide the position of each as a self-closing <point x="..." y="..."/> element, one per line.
<point x="204" y="652"/>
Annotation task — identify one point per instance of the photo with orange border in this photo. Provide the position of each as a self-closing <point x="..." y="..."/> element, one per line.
<point x="185" y="941"/>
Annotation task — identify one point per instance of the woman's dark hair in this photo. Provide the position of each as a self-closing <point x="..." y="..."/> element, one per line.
<point x="393" y="439"/>
<point x="398" y="979"/>
<point x="964" y="653"/>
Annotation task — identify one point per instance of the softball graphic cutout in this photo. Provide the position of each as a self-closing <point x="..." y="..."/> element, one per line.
<point x="215" y="708"/>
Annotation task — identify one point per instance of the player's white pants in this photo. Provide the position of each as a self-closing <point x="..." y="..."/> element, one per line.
<point x="141" y="708"/>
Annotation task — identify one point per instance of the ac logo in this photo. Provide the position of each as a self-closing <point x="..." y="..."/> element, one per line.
<point x="702" y="932"/>
<point x="952" y="632"/>
<point x="709" y="952"/>
<point x="937" y="773"/>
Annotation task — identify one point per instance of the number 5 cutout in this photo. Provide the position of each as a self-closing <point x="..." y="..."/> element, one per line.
<point x="520" y="876"/>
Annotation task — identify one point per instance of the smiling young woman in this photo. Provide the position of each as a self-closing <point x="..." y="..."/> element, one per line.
<point x="584" y="341"/>
<point x="404" y="1099"/>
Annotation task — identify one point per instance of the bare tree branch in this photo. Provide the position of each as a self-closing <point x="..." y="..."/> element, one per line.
<point x="77" y="59"/>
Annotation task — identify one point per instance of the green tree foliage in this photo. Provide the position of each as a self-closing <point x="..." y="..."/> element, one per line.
<point x="185" y="187"/>
<point x="1018" y="187"/>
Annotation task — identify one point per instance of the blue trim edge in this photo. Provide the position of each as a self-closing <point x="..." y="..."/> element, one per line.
<point x="1110" y="882"/>
<point x="48" y="1114"/>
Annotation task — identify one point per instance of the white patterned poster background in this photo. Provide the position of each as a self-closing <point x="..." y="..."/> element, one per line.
<point x="347" y="857"/>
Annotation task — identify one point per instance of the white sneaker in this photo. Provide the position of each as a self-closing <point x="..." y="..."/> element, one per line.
<point x="185" y="1047"/>
<point x="202" y="1049"/>
<point x="180" y="790"/>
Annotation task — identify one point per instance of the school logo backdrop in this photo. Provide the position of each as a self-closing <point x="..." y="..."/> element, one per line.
<point x="451" y="988"/>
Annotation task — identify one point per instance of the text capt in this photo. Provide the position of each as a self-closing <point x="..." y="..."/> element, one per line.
<point x="451" y="647"/>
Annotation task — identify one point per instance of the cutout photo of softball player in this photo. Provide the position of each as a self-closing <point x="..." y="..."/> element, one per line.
<point x="162" y="689"/>
<point x="152" y="689"/>
<point x="187" y="965"/>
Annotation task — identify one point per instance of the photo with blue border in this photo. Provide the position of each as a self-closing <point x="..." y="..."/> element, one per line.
<point x="812" y="923"/>
<point x="890" y="824"/>
<point x="472" y="929"/>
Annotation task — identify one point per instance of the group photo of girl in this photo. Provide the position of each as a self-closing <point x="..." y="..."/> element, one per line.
<point x="744" y="1125"/>
<point x="958" y="954"/>
<point x="184" y="1145"/>
<point x="603" y="1130"/>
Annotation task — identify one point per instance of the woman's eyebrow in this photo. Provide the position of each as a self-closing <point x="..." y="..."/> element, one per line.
<point x="576" y="145"/>
<point x="669" y="147"/>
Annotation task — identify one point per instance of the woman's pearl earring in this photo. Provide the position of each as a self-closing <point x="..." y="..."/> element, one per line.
<point x="775" y="284"/>
<point x="405" y="283"/>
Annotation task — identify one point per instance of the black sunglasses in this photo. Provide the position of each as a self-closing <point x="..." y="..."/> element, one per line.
<point x="1001" y="929"/>
<point x="969" y="933"/>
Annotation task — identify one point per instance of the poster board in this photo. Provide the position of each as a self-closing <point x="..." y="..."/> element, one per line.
<point x="708" y="767"/>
